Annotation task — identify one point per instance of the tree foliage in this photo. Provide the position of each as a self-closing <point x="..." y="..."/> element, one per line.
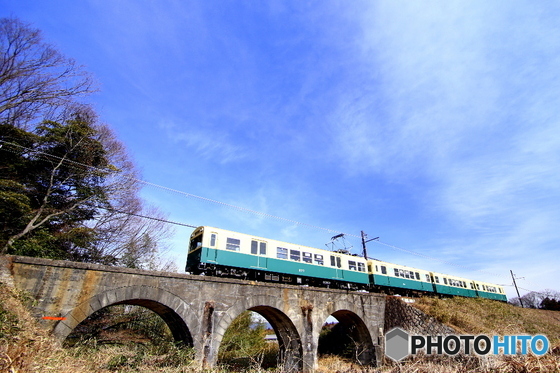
<point x="550" y="304"/>
<point x="56" y="178"/>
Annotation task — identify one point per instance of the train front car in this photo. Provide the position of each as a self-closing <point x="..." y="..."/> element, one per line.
<point x="398" y="279"/>
<point x="218" y="252"/>
<point x="194" y="264"/>
<point x="213" y="253"/>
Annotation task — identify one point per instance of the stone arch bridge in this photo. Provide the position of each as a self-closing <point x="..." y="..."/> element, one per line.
<point x="198" y="309"/>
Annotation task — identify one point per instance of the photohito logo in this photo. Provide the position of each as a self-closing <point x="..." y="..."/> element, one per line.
<point x="399" y="344"/>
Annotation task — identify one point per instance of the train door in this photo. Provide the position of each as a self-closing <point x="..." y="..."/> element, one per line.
<point x="258" y="248"/>
<point x="336" y="262"/>
<point x="212" y="251"/>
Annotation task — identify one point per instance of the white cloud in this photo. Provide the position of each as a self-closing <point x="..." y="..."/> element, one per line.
<point x="466" y="96"/>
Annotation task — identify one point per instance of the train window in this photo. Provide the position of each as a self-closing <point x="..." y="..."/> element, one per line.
<point x="307" y="257"/>
<point x="361" y="267"/>
<point x="437" y="280"/>
<point x="472" y="286"/>
<point x="428" y="277"/>
<point x="233" y="244"/>
<point x="352" y="265"/>
<point x="401" y="273"/>
<point x="444" y="280"/>
<point x="407" y="274"/>
<point x="319" y="259"/>
<point x="335" y="261"/>
<point x="376" y="269"/>
<point x="477" y="287"/>
<point x="263" y="248"/>
<point x="295" y="255"/>
<point x="196" y="243"/>
<point x="254" y="247"/>
<point x="397" y="272"/>
<point x="384" y="270"/>
<point x="213" y="240"/>
<point x="282" y="253"/>
<point x="417" y="275"/>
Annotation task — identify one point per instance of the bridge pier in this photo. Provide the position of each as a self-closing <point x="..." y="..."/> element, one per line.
<point x="198" y="309"/>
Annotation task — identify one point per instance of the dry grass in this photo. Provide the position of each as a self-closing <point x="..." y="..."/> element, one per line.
<point x="483" y="316"/>
<point x="445" y="364"/>
<point x="26" y="347"/>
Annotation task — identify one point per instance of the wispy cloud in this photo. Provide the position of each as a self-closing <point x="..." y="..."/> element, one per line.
<point x="205" y="142"/>
<point x="466" y="97"/>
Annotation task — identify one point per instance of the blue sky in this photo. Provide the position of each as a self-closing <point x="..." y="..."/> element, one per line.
<point x="433" y="125"/>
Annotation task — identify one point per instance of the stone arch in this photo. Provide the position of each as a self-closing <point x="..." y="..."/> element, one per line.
<point x="171" y="308"/>
<point x="357" y="330"/>
<point x="289" y="340"/>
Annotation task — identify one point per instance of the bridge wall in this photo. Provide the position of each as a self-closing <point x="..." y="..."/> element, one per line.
<point x="198" y="309"/>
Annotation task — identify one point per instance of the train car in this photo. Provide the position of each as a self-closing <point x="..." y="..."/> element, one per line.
<point x="490" y="291"/>
<point x="453" y="285"/>
<point x="394" y="278"/>
<point x="219" y="252"/>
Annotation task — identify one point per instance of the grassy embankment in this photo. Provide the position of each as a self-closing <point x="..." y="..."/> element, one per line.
<point x="26" y="347"/>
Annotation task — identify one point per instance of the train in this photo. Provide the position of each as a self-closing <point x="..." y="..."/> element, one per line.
<point x="219" y="252"/>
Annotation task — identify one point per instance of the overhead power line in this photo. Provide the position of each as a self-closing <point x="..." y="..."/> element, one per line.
<point x="243" y="209"/>
<point x="151" y="218"/>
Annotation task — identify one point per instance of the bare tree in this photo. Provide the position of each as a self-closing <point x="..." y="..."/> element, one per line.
<point x="534" y="299"/>
<point x="36" y="80"/>
<point x="128" y="230"/>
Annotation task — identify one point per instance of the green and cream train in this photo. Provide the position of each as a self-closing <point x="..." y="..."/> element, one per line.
<point x="218" y="252"/>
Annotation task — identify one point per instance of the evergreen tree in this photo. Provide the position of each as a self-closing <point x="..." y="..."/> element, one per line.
<point x="50" y="184"/>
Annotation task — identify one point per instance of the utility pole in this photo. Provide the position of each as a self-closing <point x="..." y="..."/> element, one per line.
<point x="364" y="241"/>
<point x="514" y="283"/>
